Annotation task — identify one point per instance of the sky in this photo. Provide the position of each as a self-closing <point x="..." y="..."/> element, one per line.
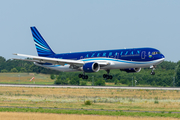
<point x="87" y="25"/>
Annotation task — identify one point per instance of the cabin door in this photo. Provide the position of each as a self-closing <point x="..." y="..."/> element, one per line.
<point x="143" y="54"/>
<point x="117" y="56"/>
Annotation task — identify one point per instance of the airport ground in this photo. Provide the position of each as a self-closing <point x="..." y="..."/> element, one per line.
<point x="50" y="116"/>
<point x="107" y="102"/>
<point x="104" y="101"/>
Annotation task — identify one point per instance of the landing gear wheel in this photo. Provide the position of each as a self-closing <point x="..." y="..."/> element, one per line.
<point x="107" y="77"/>
<point x="83" y="76"/>
<point x="86" y="77"/>
<point x="104" y="76"/>
<point x="152" y="73"/>
<point x="80" y="75"/>
<point x="153" y="68"/>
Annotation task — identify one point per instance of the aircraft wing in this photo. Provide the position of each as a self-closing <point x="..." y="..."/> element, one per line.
<point x="55" y="60"/>
<point x="50" y="60"/>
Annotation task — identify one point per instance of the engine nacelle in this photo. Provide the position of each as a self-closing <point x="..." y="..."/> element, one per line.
<point x="91" y="67"/>
<point x="131" y="70"/>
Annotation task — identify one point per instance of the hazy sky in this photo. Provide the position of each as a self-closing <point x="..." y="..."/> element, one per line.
<point x="83" y="25"/>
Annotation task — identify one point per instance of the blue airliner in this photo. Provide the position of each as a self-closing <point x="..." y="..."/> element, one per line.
<point x="129" y="60"/>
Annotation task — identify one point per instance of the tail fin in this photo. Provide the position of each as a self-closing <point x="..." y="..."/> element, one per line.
<point x="42" y="47"/>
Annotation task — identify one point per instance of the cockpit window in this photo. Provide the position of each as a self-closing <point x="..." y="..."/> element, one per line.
<point x="155" y="53"/>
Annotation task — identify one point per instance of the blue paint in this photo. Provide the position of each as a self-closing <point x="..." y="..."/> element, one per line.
<point x="93" y="55"/>
<point x="126" y="53"/>
<point x="110" y="54"/>
<point x="98" y="54"/>
<point x="121" y="53"/>
<point x="86" y="56"/>
<point x="131" y="55"/>
<point x="104" y="55"/>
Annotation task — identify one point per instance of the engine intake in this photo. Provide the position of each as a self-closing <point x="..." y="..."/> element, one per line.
<point x="131" y="70"/>
<point x="91" y="67"/>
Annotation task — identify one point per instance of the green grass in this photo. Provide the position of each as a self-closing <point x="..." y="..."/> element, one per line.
<point x="37" y="83"/>
<point x="24" y="78"/>
<point x="91" y="112"/>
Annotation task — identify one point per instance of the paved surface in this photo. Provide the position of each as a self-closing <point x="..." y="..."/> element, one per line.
<point x="97" y="87"/>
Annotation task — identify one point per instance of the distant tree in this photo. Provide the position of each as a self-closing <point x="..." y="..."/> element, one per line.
<point x="52" y="76"/>
<point x="14" y="70"/>
<point x="4" y="71"/>
<point x="72" y="82"/>
<point x="153" y="83"/>
<point x="61" y="80"/>
<point x="83" y="83"/>
<point x="100" y="82"/>
<point x="23" y="70"/>
<point x="168" y="65"/>
<point x="123" y="81"/>
<point x="178" y="77"/>
<point x="116" y="82"/>
<point x="2" y="63"/>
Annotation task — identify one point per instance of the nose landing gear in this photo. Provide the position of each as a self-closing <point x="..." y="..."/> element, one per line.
<point x="153" y="68"/>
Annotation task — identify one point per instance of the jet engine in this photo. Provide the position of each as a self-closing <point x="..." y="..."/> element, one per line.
<point x="91" y="67"/>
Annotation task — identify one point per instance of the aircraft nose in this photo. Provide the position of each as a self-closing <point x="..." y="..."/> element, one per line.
<point x="163" y="56"/>
<point x="160" y="56"/>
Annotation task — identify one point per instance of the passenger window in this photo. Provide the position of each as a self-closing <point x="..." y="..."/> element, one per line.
<point x="98" y="54"/>
<point x="104" y="54"/>
<point x="110" y="54"/>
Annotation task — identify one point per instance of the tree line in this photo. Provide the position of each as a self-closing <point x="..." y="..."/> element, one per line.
<point x="167" y="74"/>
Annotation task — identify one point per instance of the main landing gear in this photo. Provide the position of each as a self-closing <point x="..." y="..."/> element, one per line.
<point x="153" y="68"/>
<point x="83" y="76"/>
<point x="107" y="76"/>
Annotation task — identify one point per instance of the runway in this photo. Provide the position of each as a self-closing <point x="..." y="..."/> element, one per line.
<point x="86" y="87"/>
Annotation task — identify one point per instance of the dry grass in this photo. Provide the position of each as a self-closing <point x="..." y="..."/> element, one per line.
<point x="111" y="93"/>
<point x="47" y="116"/>
<point x="117" y="99"/>
<point x="24" y="78"/>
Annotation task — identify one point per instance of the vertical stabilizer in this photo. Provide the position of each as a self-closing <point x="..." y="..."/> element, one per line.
<point x="42" y="47"/>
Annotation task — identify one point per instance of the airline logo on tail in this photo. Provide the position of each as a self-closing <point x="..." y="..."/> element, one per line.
<point x="42" y="47"/>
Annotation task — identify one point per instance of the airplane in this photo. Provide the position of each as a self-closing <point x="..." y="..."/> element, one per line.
<point x="129" y="60"/>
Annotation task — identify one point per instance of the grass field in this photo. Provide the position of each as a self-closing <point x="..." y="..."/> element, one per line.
<point x="49" y="116"/>
<point x="24" y="78"/>
<point x="112" y="99"/>
<point x="102" y="99"/>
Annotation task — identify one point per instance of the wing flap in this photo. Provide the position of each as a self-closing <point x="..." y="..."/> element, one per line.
<point x="26" y="60"/>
